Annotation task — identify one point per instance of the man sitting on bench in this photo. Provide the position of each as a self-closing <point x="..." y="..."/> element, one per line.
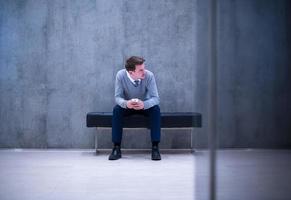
<point x="135" y="93"/>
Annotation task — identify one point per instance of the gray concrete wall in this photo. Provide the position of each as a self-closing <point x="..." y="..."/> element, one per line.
<point x="58" y="60"/>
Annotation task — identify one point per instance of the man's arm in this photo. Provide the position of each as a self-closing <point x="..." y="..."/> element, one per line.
<point x="152" y="93"/>
<point x="119" y="92"/>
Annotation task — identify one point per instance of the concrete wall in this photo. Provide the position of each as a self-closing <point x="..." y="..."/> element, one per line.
<point x="58" y="60"/>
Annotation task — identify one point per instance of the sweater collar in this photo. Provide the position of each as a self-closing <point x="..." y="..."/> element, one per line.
<point x="131" y="79"/>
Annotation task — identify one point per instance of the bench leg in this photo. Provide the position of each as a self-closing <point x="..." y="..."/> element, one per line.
<point x="192" y="146"/>
<point x="96" y="141"/>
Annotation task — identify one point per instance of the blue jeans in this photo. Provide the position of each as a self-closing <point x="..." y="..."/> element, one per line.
<point x="152" y="113"/>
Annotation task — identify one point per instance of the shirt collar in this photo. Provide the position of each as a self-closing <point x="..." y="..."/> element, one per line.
<point x="131" y="79"/>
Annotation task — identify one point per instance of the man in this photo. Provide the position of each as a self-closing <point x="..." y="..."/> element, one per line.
<point x="135" y="93"/>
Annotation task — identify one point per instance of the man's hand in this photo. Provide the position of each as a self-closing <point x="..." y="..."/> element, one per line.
<point x="130" y="104"/>
<point x="135" y="104"/>
<point x="138" y="105"/>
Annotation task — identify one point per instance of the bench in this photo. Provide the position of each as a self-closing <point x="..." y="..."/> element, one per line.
<point x="168" y="120"/>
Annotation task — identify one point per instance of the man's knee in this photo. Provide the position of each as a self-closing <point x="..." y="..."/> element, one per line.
<point x="155" y="109"/>
<point x="117" y="109"/>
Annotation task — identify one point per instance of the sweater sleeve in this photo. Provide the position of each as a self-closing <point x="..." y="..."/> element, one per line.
<point x="119" y="93"/>
<point x="153" y="96"/>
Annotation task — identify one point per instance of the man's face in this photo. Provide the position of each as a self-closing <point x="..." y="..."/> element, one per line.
<point x="138" y="73"/>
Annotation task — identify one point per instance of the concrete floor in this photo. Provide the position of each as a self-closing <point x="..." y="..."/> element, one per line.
<point x="71" y="174"/>
<point x="75" y="175"/>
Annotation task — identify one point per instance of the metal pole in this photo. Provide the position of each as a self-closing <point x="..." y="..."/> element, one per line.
<point x="212" y="103"/>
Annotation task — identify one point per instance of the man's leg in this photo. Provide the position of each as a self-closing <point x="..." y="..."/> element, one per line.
<point x="155" y="125"/>
<point x="117" y="126"/>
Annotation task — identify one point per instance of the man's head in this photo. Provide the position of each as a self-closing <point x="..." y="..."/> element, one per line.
<point x="135" y="67"/>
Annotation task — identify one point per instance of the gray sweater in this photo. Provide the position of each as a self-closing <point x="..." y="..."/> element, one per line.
<point x="146" y="90"/>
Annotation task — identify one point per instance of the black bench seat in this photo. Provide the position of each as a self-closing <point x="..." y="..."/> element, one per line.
<point x="168" y="120"/>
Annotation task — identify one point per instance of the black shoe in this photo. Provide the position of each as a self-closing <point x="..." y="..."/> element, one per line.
<point x="155" y="153"/>
<point x="116" y="153"/>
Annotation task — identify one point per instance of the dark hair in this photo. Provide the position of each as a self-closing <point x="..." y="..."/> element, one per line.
<point x="132" y="62"/>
